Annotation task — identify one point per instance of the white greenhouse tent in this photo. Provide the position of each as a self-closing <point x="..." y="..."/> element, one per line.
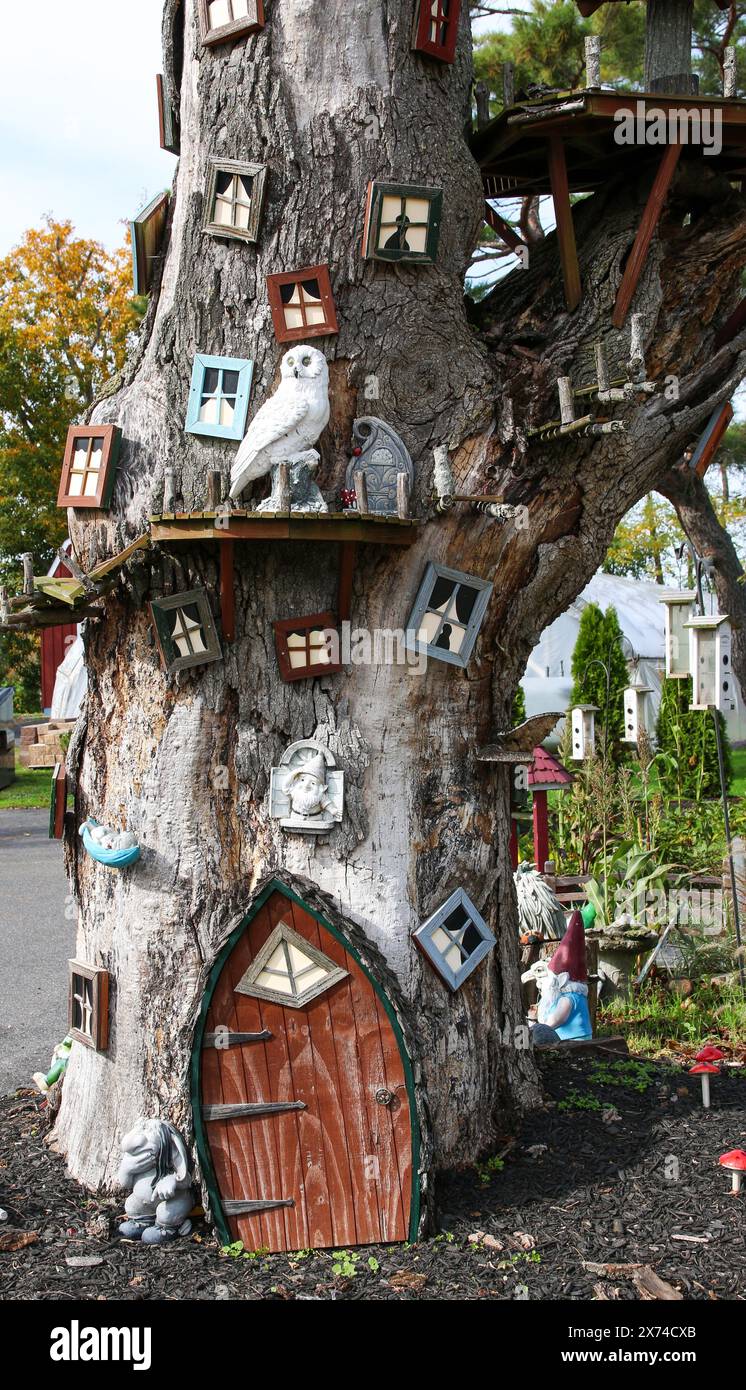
<point x="548" y="682"/>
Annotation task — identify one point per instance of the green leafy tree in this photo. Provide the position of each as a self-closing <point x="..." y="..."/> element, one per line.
<point x="688" y="737"/>
<point x="600" y="640"/>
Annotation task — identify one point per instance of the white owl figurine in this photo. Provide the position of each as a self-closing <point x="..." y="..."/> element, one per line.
<point x="285" y="429"/>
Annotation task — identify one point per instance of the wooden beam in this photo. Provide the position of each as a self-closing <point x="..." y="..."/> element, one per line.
<point x="503" y="228"/>
<point x="227" y="597"/>
<point x="563" y="216"/>
<point x="711" y="438"/>
<point x="347" y="555"/>
<point x="648" y="223"/>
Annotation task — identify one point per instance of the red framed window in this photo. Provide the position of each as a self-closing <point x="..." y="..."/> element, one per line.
<point x="89" y="466"/>
<point x="307" y="646"/>
<point x="302" y="304"/>
<point x="436" y="28"/>
<point x="222" y="21"/>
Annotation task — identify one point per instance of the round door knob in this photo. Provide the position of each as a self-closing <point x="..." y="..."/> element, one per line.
<point x="383" y="1096"/>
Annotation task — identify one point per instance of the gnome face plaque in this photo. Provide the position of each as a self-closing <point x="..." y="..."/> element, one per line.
<point x="306" y="792"/>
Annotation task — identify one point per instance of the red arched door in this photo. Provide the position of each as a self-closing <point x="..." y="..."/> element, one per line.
<point x="304" y="1107"/>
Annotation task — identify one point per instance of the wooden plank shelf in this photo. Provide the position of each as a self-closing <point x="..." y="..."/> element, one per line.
<point x="251" y="1109"/>
<point x="372" y="529"/>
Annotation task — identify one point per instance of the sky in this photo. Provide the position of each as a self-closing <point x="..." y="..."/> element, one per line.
<point x="78" y="115"/>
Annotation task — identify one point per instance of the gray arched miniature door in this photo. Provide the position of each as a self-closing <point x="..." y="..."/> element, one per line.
<point x="303" y="1102"/>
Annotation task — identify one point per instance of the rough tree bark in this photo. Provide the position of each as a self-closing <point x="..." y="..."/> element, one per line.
<point x="329" y="95"/>
<point x="668" y="45"/>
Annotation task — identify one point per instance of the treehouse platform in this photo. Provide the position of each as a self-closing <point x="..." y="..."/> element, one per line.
<point x="238" y="525"/>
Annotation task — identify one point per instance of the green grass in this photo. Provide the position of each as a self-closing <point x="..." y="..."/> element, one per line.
<point x="658" y="1024"/>
<point x="738" y="785"/>
<point x="30" y="790"/>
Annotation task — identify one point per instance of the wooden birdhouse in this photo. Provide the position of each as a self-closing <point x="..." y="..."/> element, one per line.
<point x="679" y="606"/>
<point x="402" y="222"/>
<point x="89" y="466"/>
<point x="546" y="774"/>
<point x="147" y="232"/>
<point x="436" y="28"/>
<point x="583" y="732"/>
<point x="302" y="304"/>
<point x="634" y="711"/>
<point x="713" y="682"/>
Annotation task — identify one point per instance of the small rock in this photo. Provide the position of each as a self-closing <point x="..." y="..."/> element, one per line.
<point x="475" y="1238"/>
<point x="617" y="1227"/>
<point x="3" y="1214"/>
<point x="523" y="1240"/>
<point x="222" y="1291"/>
<point x="610" y="1115"/>
<point x="536" y="1149"/>
<point x="83" y="1261"/>
<point x="491" y="1243"/>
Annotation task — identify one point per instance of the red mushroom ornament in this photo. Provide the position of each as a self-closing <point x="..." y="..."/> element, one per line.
<point x="710" y="1054"/>
<point x="735" y="1162"/>
<point x="705" y="1070"/>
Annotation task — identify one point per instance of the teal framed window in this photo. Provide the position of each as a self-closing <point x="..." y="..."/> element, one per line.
<point x="219" y="396"/>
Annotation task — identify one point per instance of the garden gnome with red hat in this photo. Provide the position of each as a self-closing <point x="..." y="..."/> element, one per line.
<point x="563" y="989"/>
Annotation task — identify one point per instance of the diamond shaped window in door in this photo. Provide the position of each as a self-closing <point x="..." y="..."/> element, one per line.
<point x="289" y="970"/>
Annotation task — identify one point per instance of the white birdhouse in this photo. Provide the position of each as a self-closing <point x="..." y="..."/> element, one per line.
<point x="679" y="605"/>
<point x="710" y="660"/>
<point x="634" y="711"/>
<point x="583" y="731"/>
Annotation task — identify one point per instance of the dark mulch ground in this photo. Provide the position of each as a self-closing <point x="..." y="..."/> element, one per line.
<point x="599" y="1190"/>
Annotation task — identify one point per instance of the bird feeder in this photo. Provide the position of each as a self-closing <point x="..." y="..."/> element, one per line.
<point x="545" y="774"/>
<point x="679" y="604"/>
<point x="713" y="682"/>
<point x="634" y="711"/>
<point x="704" y="1070"/>
<point x="735" y="1162"/>
<point x="583" y="732"/>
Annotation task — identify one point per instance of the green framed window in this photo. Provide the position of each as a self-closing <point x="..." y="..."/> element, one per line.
<point x="402" y="222"/>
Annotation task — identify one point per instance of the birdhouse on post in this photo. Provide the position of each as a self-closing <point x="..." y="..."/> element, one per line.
<point x="545" y="774"/>
<point x="679" y="605"/>
<point x="713" y="682"/>
<point x="634" y="711"/>
<point x="583" y="731"/>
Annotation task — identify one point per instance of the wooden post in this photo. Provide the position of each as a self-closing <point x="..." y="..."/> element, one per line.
<point x="668" y="46"/>
<point x="402" y="496"/>
<point x="541" y="830"/>
<point x="28" y="572"/>
<point x="593" y="61"/>
<point x="504" y="230"/>
<point x="602" y="370"/>
<point x="508" y="84"/>
<point x="282" y="478"/>
<point x="563" y="217"/>
<point x="4" y="603"/>
<point x="169" y="491"/>
<point x="227" y="595"/>
<point x="591" y="960"/>
<point x="648" y="223"/>
<point x="482" y="96"/>
<point x="214" y="490"/>
<point x="566" y="401"/>
<point x="347" y="554"/>
<point x="729" y="73"/>
<point x="361" y="493"/>
<point x="636" y="364"/>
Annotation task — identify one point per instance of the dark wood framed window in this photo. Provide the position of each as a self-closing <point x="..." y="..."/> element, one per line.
<point x="307" y="646"/>
<point x="58" y="802"/>
<point x="235" y="194"/>
<point x="88" y="1005"/>
<point x="402" y="222"/>
<point x="302" y="304"/>
<point x="147" y="232"/>
<point x="168" y="122"/>
<point x="185" y="630"/>
<point x="89" y="466"/>
<point x="222" y="21"/>
<point x="436" y="28"/>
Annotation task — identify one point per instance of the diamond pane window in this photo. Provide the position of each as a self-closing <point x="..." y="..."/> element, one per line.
<point x="88" y="1005"/>
<point x="302" y="304"/>
<point x="447" y="614"/>
<point x="221" y="21"/>
<point x="436" y="28"/>
<point x="289" y="970"/>
<point x="89" y="466"/>
<point x="185" y="630"/>
<point x="235" y="195"/>
<point x="455" y="939"/>
<point x="307" y="646"/>
<point x="219" y="396"/>
<point x="402" y="222"/>
<point x="147" y="233"/>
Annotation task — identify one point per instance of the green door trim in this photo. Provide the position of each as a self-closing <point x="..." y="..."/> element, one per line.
<point x="276" y="885"/>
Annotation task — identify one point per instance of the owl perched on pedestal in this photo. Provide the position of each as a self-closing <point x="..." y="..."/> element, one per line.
<point x="287" y="426"/>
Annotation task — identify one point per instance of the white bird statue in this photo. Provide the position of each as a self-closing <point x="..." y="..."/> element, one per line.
<point x="286" y="427"/>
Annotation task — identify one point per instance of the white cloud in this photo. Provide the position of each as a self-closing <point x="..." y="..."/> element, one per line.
<point x="78" y="115"/>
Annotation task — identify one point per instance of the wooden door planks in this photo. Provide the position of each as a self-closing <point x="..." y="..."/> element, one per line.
<point x="563" y="215"/>
<point x="648" y="223"/>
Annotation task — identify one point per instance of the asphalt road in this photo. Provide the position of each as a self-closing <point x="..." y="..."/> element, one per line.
<point x="36" y="943"/>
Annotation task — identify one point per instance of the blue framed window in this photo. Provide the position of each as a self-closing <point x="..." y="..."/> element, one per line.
<point x="219" y="396"/>
<point x="447" y="614"/>
<point x="455" y="939"/>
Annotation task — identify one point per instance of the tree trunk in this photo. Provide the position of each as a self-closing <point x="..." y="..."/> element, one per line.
<point x="329" y="95"/>
<point x="668" y="45"/>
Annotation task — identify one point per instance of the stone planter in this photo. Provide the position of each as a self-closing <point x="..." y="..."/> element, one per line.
<point x="618" y="954"/>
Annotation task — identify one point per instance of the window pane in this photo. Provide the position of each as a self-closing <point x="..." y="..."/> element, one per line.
<point x="429" y="627"/>
<point x="293" y="318"/>
<point x="230" y="383"/>
<point x="316" y="314"/>
<point x="417" y="209"/>
<point x="95" y="459"/>
<point x="91" y="485"/>
<point x="416" y="239"/>
<point x="210" y="381"/>
<point x="219" y="12"/>
<point x="440" y="593"/>
<point x="80" y="453"/>
<point x="465" y="600"/>
<point x="245" y="185"/>
<point x="209" y="411"/>
<point x="227" y="410"/>
<point x="223" y="182"/>
<point x="451" y="638"/>
<point x="310" y="291"/>
<point x="241" y="8"/>
<point x="241" y="216"/>
<point x="75" y="488"/>
<point x="223" y="213"/>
